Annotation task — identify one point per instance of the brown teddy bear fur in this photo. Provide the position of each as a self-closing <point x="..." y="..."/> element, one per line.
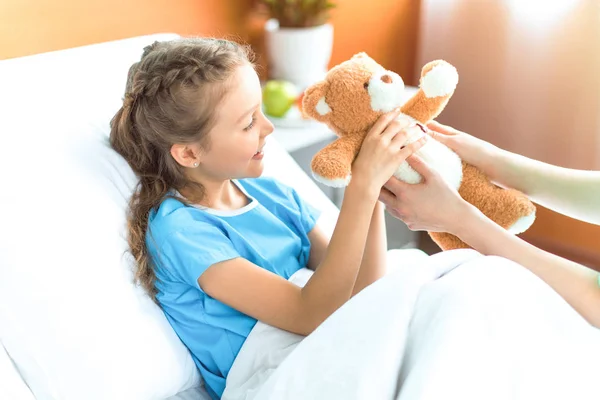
<point x="351" y="116"/>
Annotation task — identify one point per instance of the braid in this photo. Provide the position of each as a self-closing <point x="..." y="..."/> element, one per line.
<point x="161" y="107"/>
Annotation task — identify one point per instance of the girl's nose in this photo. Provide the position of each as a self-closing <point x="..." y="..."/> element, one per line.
<point x="268" y="128"/>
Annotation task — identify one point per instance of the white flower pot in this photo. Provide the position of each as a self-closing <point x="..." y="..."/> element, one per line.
<point x="298" y="55"/>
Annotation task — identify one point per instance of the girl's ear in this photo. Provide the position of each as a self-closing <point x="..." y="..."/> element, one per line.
<point x="314" y="104"/>
<point x="187" y="155"/>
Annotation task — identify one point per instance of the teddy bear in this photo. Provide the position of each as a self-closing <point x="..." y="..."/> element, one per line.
<point x="355" y="93"/>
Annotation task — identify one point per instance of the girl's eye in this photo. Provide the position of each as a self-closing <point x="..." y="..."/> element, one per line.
<point x="251" y="124"/>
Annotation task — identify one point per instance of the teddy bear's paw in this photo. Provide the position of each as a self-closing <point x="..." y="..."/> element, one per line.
<point x="522" y="224"/>
<point x="441" y="80"/>
<point x="333" y="182"/>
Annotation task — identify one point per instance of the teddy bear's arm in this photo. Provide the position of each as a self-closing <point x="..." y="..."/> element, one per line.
<point x="509" y="208"/>
<point x="438" y="81"/>
<point x="332" y="165"/>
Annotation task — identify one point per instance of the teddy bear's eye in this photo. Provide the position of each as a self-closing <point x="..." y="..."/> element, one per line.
<point x="366" y="85"/>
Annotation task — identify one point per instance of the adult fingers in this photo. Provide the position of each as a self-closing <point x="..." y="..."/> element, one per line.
<point x="420" y="166"/>
<point x="395" y="186"/>
<point x="387" y="197"/>
<point x="441" y="128"/>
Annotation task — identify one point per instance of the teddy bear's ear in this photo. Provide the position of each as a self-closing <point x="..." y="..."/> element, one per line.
<point x="360" y="55"/>
<point x="365" y="62"/>
<point x="314" y="104"/>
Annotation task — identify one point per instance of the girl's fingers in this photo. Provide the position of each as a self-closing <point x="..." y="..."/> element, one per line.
<point x="409" y="149"/>
<point x="400" y="139"/>
<point x="396" y="128"/>
<point x="383" y="122"/>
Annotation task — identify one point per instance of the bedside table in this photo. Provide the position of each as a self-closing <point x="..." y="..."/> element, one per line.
<point x="298" y="138"/>
<point x="303" y="142"/>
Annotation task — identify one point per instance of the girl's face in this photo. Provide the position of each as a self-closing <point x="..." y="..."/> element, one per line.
<point x="238" y="136"/>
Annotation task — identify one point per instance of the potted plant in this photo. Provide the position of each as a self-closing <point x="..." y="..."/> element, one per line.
<point x="298" y="40"/>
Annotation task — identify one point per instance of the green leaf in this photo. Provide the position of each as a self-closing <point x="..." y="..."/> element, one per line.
<point x="299" y="13"/>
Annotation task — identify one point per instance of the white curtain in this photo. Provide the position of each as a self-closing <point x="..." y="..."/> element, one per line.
<point x="529" y="73"/>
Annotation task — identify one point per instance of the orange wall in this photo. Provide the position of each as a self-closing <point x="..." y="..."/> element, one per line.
<point x="386" y="29"/>
<point x="576" y="240"/>
<point x="34" y="26"/>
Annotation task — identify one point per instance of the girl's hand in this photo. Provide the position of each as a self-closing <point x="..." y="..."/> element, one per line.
<point x="431" y="205"/>
<point x="474" y="151"/>
<point x="383" y="150"/>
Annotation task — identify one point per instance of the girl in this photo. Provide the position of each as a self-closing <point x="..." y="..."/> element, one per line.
<point x="570" y="192"/>
<point x="215" y="243"/>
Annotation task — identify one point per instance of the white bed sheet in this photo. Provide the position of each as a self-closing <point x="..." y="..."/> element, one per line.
<point x="195" y="393"/>
<point x="456" y="325"/>
<point x="12" y="386"/>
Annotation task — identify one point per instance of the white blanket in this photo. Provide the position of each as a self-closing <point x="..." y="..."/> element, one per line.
<point x="456" y="325"/>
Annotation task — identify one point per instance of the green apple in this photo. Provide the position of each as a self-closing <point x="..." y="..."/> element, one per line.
<point x="278" y="97"/>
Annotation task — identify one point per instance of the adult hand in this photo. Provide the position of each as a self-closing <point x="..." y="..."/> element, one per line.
<point x="432" y="205"/>
<point x="474" y="151"/>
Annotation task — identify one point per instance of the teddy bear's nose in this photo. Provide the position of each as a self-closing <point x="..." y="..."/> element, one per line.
<point x="386" y="79"/>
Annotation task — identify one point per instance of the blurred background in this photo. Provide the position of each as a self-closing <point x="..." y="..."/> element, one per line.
<point x="529" y="69"/>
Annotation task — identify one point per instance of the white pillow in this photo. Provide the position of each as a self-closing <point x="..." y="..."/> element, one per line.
<point x="12" y="386"/>
<point x="70" y="317"/>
